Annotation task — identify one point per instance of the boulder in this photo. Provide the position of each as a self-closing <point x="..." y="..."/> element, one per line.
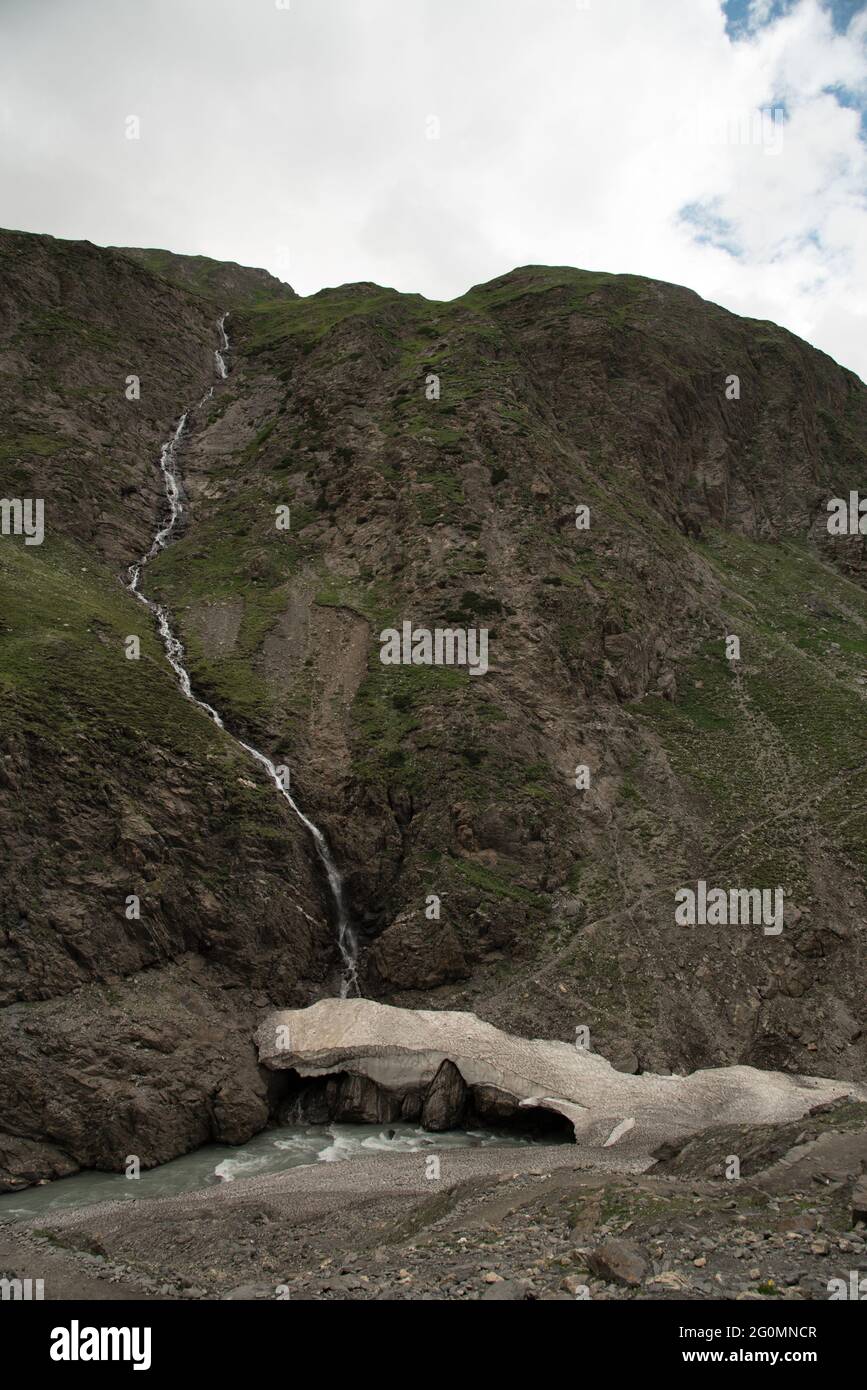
<point x="446" y="1099"/>
<point x="358" y="1100"/>
<point x="413" y="954"/>
<point x="506" y="1291"/>
<point x="619" y="1262"/>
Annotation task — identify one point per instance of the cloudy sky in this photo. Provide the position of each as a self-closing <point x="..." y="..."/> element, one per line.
<point x="434" y="144"/>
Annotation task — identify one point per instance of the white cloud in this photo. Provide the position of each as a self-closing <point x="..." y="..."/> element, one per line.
<point x="296" y="139"/>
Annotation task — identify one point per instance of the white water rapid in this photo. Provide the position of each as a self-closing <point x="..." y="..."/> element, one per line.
<point x="346" y="939"/>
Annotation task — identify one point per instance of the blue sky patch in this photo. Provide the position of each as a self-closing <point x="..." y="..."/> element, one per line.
<point x="842" y="12"/>
<point x="737" y="13"/>
<point x="709" y="228"/>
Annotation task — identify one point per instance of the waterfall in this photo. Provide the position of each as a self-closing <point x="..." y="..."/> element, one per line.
<point x="222" y="350"/>
<point x="346" y="939"/>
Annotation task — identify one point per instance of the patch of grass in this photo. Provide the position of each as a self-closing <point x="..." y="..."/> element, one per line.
<point x="64" y="674"/>
<point x="758" y="739"/>
<point x="22" y="446"/>
<point x="53" y="323"/>
<point x="495" y="884"/>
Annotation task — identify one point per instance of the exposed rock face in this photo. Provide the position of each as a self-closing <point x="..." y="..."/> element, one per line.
<point x="150" y="1067"/>
<point x="412" y="958"/>
<point x="445" y="1100"/>
<point x="402" y="1050"/>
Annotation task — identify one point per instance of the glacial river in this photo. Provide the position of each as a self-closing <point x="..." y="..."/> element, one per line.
<point x="273" y="1151"/>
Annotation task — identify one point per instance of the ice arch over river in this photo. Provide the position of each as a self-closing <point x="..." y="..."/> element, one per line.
<point x="403" y="1052"/>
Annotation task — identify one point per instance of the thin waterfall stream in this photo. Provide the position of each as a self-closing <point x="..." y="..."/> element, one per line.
<point x="346" y="939"/>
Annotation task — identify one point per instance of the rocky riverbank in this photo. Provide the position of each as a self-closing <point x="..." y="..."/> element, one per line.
<point x="541" y="1224"/>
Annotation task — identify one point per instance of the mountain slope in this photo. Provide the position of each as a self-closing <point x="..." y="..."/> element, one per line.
<point x="111" y="784"/>
<point x="707" y="518"/>
<point x="558" y="388"/>
<point x="228" y="284"/>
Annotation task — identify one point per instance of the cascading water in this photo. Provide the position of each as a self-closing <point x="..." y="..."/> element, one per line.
<point x="346" y="939"/>
<point x="222" y="350"/>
